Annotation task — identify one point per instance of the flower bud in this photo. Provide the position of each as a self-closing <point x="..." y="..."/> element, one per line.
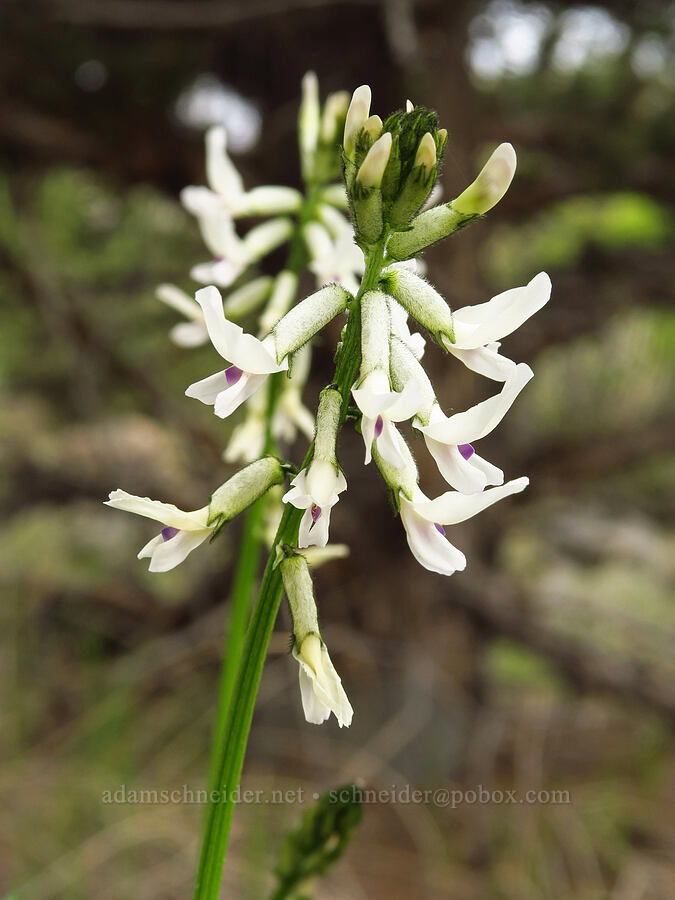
<point x="333" y="118"/>
<point x="308" y="124"/>
<point x="372" y="169"/>
<point x="490" y="186"/>
<point x="244" y="488"/>
<point x="357" y="115"/>
<point x="373" y="127"/>
<point x="426" y="153"/>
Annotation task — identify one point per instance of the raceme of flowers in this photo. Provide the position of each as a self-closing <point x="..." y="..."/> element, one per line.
<point x="390" y="168"/>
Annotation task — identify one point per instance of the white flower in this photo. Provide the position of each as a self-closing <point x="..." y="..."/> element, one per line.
<point x="233" y="254"/>
<point x="182" y="531"/>
<point x="226" y="194"/>
<point x="423" y="520"/>
<point x="316" y="490"/>
<point x="449" y="439"/>
<point x="339" y="260"/>
<point x="186" y="334"/>
<point x="251" y="360"/>
<point x="320" y="685"/>
<point x="380" y="408"/>
<point x="478" y="329"/>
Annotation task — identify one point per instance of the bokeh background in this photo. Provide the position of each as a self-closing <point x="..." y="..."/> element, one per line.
<point x="547" y="665"/>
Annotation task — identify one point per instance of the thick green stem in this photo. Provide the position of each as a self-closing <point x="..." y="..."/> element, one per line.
<point x="240" y="713"/>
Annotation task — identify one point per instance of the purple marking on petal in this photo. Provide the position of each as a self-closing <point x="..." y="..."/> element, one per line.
<point x="439" y="528"/>
<point x="379" y="425"/>
<point x="316" y="513"/>
<point x="219" y="259"/>
<point x="232" y="375"/>
<point x="169" y="532"/>
<point x="466" y="450"/>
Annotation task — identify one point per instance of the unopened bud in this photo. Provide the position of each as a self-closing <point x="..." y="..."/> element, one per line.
<point x="358" y="111"/>
<point x="334" y="112"/>
<point x="426" y="153"/>
<point x="373" y="127"/>
<point x="373" y="166"/>
<point x="491" y="184"/>
<point x="308" y="123"/>
<point x="409" y="106"/>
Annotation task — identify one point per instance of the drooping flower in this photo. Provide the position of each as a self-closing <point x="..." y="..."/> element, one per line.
<point x="424" y="521"/>
<point x="251" y="360"/>
<point x="450" y="439"/>
<point x="320" y="685"/>
<point x="181" y="533"/>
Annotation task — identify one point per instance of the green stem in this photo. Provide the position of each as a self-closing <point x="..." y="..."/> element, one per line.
<point x="248" y="561"/>
<point x="240" y="713"/>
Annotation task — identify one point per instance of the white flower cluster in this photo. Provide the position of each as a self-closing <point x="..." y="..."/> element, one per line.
<point x="390" y="169"/>
<point x="315" y="223"/>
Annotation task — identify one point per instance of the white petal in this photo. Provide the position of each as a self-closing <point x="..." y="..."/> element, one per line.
<point x="493" y="475"/>
<point x="243" y="350"/>
<point x="166" y="513"/>
<point x="457" y="471"/>
<point x="176" y="298"/>
<point x="481" y="419"/>
<point x="407" y="402"/>
<point x="222" y="272"/>
<point x="452" y="507"/>
<point x="491" y="321"/>
<point x="316" y="712"/>
<point x="221" y="172"/>
<point x="150" y="547"/>
<point x="169" y="554"/>
<point x="368" y="435"/>
<point x="487" y="361"/>
<point x="388" y="445"/>
<point x="374" y="394"/>
<point x="429" y="547"/>
<point x="189" y="334"/>
<point x="232" y="397"/>
<point x="208" y="388"/>
<point x="268" y="200"/>
<point x="304" y="538"/>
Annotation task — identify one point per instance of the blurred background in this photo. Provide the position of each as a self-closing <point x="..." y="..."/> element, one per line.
<point x="547" y="665"/>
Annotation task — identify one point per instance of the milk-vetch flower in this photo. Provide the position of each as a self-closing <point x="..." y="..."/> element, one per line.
<point x="320" y="685"/>
<point x="449" y="438"/>
<point x="478" y="329"/>
<point x="181" y="533"/>
<point x="381" y="406"/>
<point x="424" y="521"/>
<point x="316" y="489"/>
<point x="251" y="360"/>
